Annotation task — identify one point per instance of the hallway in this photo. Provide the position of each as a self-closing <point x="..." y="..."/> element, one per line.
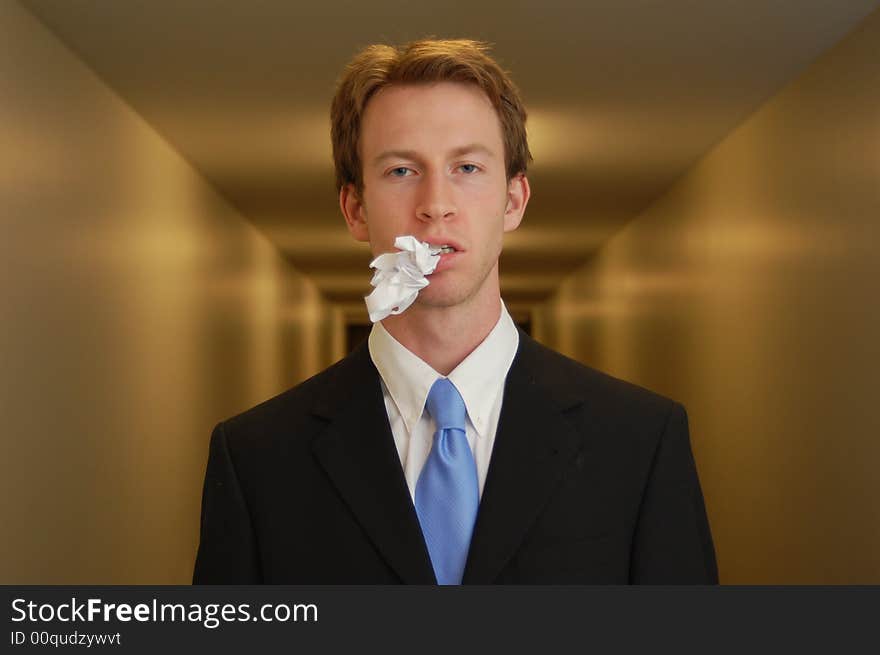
<point x="706" y="200"/>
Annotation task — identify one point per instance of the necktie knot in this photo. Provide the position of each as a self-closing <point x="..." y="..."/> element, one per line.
<point x="445" y="405"/>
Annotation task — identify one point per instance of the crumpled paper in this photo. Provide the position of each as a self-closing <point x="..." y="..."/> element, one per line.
<point x="399" y="277"/>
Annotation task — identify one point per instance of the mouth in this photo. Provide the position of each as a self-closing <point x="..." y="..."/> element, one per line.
<point x="441" y="249"/>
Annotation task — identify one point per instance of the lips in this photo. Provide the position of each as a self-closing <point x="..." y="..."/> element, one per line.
<point x="443" y="246"/>
<point x="448" y="260"/>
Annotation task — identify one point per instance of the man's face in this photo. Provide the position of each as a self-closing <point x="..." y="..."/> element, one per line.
<point x="433" y="167"/>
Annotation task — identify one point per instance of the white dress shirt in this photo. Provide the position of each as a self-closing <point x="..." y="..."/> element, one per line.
<point x="406" y="381"/>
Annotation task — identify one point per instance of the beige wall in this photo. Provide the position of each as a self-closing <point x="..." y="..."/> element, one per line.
<point x="749" y="292"/>
<point x="137" y="308"/>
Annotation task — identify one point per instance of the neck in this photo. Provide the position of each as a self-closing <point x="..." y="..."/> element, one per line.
<point x="443" y="336"/>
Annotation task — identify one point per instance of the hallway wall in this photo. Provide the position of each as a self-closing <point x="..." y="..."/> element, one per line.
<point x="138" y="309"/>
<point x="749" y="292"/>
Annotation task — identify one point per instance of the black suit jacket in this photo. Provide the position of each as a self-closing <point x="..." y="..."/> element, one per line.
<point x="591" y="481"/>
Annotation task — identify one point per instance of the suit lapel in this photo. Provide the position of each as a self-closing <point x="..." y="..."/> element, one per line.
<point x="533" y="444"/>
<point x="357" y="451"/>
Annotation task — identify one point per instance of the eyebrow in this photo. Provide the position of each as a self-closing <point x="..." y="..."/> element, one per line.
<point x="412" y="155"/>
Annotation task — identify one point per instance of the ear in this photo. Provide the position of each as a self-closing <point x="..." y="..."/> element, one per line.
<point x="518" y="193"/>
<point x="354" y="211"/>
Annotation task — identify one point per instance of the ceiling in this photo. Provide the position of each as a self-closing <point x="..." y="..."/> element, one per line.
<point x="623" y="96"/>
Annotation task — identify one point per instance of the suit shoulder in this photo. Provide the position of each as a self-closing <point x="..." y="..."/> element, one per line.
<point x="568" y="378"/>
<point x="285" y="412"/>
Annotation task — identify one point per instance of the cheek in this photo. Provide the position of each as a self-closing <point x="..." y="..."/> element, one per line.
<point x="492" y="221"/>
<point x="491" y="240"/>
<point x="492" y="200"/>
<point x="384" y="220"/>
<point x="390" y="202"/>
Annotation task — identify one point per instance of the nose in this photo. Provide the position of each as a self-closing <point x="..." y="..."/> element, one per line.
<point x="435" y="200"/>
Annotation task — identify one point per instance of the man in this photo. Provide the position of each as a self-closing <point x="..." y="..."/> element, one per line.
<point x="451" y="448"/>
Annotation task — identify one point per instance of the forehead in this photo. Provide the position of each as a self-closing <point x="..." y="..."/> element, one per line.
<point x="429" y="117"/>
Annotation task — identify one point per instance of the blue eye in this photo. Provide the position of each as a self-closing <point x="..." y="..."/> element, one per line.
<point x="400" y="171"/>
<point x="468" y="168"/>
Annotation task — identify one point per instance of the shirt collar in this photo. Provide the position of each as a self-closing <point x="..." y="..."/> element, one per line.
<point x="407" y="378"/>
<point x="479" y="378"/>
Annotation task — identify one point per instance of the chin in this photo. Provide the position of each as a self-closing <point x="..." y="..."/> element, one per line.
<point x="451" y="288"/>
<point x="441" y="296"/>
<point x="437" y="300"/>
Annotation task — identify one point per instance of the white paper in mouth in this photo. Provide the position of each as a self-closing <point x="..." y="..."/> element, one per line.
<point x="400" y="276"/>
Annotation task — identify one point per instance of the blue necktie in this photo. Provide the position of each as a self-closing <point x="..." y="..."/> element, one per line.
<point x="447" y="492"/>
